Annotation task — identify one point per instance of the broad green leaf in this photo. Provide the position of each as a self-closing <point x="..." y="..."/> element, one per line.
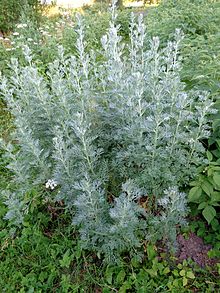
<point x="193" y="183"/>
<point x="26" y="224"/>
<point x="215" y="204"/>
<point x="126" y="285"/>
<point x="209" y="155"/>
<point x="176" y="273"/>
<point x="151" y="252"/>
<point x="215" y="224"/>
<point x="135" y="263"/>
<point x="166" y="270"/>
<point x="218" y="140"/>
<point x="185" y="281"/>
<point x="151" y="272"/>
<point x="43" y="276"/>
<point x="158" y="267"/>
<point x="216" y="153"/>
<point x="216" y="167"/>
<point x="65" y="262"/>
<point x="195" y="193"/>
<point x="202" y="205"/>
<point x="209" y="213"/>
<point x="190" y="275"/>
<point x="210" y="172"/>
<point x="120" y="277"/>
<point x="176" y="283"/>
<point x="106" y="290"/>
<point x="216" y="124"/>
<point x="108" y="275"/>
<point x="182" y="273"/>
<point x="216" y="178"/>
<point x="207" y="187"/>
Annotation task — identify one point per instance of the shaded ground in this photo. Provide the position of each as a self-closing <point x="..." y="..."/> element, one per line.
<point x="194" y="248"/>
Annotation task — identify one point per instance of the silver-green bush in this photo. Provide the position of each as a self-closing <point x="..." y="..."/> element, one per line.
<point x="102" y="135"/>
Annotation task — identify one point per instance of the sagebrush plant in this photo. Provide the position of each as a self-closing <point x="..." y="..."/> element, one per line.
<point x="116" y="137"/>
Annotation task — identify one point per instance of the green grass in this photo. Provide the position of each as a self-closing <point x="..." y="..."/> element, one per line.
<point x="45" y="256"/>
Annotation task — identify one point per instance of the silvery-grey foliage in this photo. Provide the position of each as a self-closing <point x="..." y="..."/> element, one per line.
<point x="107" y="131"/>
<point x="173" y="210"/>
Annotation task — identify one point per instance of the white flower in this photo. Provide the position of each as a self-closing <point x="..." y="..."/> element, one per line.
<point x="15" y="34"/>
<point x="30" y="39"/>
<point x="51" y="184"/>
<point x="66" y="13"/>
<point x="21" y="25"/>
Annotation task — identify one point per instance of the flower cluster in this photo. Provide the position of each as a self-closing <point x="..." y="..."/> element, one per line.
<point x="21" y="25"/>
<point x="51" y="184"/>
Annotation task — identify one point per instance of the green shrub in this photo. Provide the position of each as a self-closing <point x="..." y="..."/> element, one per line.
<point x="11" y="11"/>
<point x="193" y="17"/>
<point x="206" y="188"/>
<point x="200" y="22"/>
